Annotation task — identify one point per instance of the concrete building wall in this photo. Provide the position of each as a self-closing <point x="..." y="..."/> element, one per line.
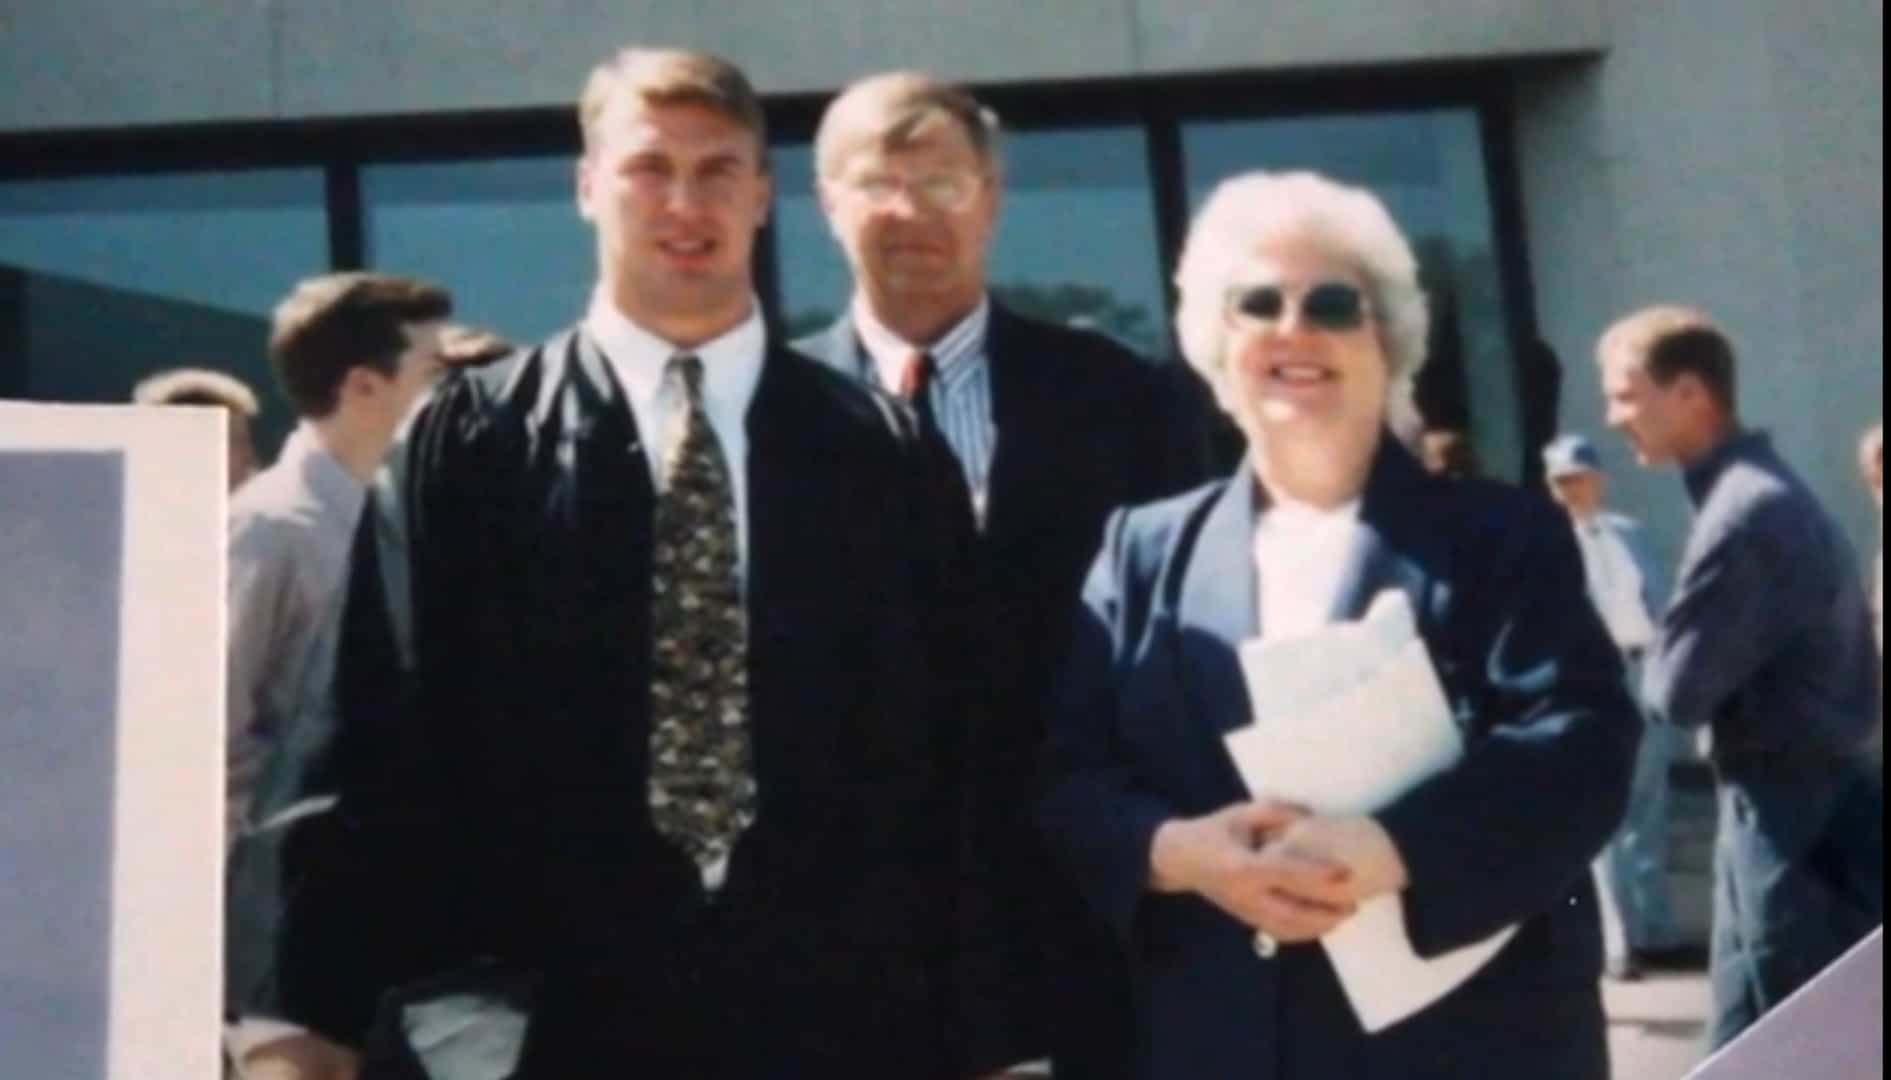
<point x="112" y="63"/>
<point x="1736" y="164"/>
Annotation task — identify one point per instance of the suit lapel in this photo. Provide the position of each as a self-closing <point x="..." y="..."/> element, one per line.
<point x="1392" y="531"/>
<point x="1217" y="607"/>
<point x="1023" y="407"/>
<point x="781" y="491"/>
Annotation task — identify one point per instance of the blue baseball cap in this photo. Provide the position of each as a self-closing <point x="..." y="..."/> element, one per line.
<point x="1570" y="455"/>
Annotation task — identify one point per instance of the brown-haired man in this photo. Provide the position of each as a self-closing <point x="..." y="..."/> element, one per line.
<point x="352" y="352"/>
<point x="1766" y="644"/>
<point x="656" y="739"/>
<point x="1053" y="428"/>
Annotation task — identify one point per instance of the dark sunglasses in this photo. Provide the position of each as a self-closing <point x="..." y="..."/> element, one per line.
<point x="1330" y="305"/>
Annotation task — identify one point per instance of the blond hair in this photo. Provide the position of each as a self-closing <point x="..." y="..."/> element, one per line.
<point x="196" y="386"/>
<point x="671" y="77"/>
<point x="1638" y="333"/>
<point x="1672" y="340"/>
<point x="892" y="109"/>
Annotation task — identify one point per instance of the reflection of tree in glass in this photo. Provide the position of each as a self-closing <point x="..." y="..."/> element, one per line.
<point x="1081" y="305"/>
<point x="812" y="321"/>
<point x="1070" y="304"/>
<point x="1444" y="396"/>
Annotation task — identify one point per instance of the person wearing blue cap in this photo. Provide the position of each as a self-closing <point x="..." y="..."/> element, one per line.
<point x="1638" y="922"/>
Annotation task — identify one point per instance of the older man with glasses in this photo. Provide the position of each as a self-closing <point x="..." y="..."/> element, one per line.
<point x="1053" y="428"/>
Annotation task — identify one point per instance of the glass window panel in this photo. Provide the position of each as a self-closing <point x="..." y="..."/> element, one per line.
<point x="503" y="235"/>
<point x="106" y="279"/>
<point x="813" y="280"/>
<point x="1429" y="169"/>
<point x="1076" y="238"/>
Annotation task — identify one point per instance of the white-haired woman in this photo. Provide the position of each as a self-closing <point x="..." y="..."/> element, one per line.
<point x="1300" y="305"/>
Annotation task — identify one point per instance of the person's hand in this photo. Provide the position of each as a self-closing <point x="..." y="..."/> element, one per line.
<point x="1359" y="844"/>
<point x="1226" y="859"/>
<point x="299" y="1057"/>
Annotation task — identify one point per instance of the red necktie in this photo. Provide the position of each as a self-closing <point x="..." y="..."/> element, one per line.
<point x="915" y="380"/>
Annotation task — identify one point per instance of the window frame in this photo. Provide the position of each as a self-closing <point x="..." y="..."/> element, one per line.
<point x="1161" y="106"/>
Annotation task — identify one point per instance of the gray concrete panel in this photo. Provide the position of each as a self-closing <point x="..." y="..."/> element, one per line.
<point x="369" y="57"/>
<point x="107" y="63"/>
<point x="1250" y="34"/>
<point x="816" y="45"/>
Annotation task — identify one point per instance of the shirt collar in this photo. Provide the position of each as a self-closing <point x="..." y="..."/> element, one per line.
<point x="319" y="469"/>
<point x="732" y="363"/>
<point x="955" y="356"/>
<point x="1701" y="476"/>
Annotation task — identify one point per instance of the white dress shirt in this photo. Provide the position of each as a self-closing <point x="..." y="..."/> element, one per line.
<point x="961" y="387"/>
<point x="1301" y="553"/>
<point x="732" y="366"/>
<point x="1616" y="585"/>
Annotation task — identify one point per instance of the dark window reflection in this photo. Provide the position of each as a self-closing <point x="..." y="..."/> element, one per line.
<point x="503" y="235"/>
<point x="104" y="280"/>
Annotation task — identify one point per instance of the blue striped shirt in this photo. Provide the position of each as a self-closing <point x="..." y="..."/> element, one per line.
<point x="960" y="398"/>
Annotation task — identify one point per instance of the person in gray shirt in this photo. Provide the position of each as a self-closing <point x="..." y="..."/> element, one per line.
<point x="1767" y="644"/>
<point x="352" y="352"/>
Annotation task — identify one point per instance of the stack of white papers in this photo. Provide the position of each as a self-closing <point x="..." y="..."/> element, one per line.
<point x="1348" y="718"/>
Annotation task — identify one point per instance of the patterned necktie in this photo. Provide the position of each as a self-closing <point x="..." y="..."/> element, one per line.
<point x="702" y="779"/>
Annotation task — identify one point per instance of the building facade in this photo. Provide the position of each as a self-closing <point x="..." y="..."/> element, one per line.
<point x="169" y="168"/>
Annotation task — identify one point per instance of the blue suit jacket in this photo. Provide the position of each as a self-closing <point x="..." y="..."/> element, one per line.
<point x="1153" y="683"/>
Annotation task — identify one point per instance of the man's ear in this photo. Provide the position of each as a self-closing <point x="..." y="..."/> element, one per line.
<point x="581" y="186"/>
<point x="767" y="207"/>
<point x="361" y="381"/>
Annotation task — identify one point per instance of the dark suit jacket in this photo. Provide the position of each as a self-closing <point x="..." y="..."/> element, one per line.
<point x="1084" y="426"/>
<point x="1154" y="682"/>
<point x="492" y="803"/>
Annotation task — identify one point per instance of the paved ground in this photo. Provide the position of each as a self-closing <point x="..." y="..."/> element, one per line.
<point x="1656" y="1026"/>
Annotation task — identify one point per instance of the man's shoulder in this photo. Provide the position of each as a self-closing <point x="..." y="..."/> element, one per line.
<point x="1759" y="503"/>
<point x="493" y="383"/>
<point x="828" y="400"/>
<point x="1153" y="527"/>
<point x="273" y="503"/>
<point x="1091" y="353"/>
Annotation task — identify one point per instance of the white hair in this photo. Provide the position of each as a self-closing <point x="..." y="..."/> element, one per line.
<point x="1249" y="211"/>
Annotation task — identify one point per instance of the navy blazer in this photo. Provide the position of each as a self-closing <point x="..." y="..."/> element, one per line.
<point x="1153" y="683"/>
<point x="1084" y="427"/>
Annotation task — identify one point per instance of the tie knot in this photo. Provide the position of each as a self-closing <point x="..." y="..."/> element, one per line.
<point x="916" y="376"/>
<point x="687" y="368"/>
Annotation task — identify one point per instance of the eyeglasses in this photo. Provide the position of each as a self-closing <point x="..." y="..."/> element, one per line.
<point x="945" y="193"/>
<point x="1332" y="306"/>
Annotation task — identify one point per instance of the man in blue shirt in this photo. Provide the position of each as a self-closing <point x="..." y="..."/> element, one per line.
<point x="1767" y="644"/>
